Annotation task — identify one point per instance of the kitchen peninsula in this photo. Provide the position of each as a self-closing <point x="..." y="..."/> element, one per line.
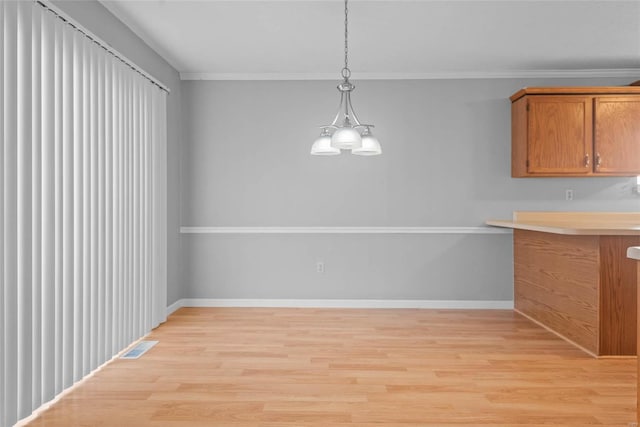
<point x="572" y="276"/>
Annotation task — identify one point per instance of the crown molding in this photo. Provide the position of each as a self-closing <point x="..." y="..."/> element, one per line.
<point x="454" y="75"/>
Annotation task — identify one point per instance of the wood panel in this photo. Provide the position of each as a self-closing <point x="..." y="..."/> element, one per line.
<point x="255" y="367"/>
<point x="638" y="341"/>
<point x="618" y="284"/>
<point x="556" y="280"/>
<point x="519" y="138"/>
<point x="616" y="142"/>
<point x="559" y="135"/>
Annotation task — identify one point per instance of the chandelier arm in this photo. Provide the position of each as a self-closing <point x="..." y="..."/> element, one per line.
<point x="335" y="119"/>
<point x="350" y="112"/>
<point x="347" y="105"/>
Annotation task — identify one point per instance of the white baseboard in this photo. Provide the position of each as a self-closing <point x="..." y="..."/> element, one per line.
<point x="341" y="303"/>
<point x="173" y="307"/>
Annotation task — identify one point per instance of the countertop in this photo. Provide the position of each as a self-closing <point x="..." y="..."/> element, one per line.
<point x="575" y="223"/>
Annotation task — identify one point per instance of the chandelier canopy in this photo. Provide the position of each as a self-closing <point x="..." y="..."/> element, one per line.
<point x="345" y="131"/>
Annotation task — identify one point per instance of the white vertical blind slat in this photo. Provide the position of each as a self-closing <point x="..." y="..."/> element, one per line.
<point x="36" y="206"/>
<point x="3" y="325"/>
<point x="135" y="182"/>
<point x="67" y="206"/>
<point x="93" y="220"/>
<point x="124" y="210"/>
<point x="10" y="213"/>
<point x="145" y="212"/>
<point x="122" y="309"/>
<point x="108" y="209"/>
<point x="24" y="209"/>
<point x="86" y="209"/>
<point x="128" y="208"/>
<point x="83" y="221"/>
<point x="159" y="211"/>
<point x="58" y="202"/>
<point x="78" y="181"/>
<point x="48" y="209"/>
<point x="100" y="173"/>
<point x="117" y="250"/>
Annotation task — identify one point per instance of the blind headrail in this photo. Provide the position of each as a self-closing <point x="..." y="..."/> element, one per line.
<point x="97" y="40"/>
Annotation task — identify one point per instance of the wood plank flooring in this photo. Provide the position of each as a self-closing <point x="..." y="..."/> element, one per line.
<point x="241" y="367"/>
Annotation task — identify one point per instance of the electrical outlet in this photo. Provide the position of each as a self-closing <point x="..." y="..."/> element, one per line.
<point x="320" y="267"/>
<point x="568" y="195"/>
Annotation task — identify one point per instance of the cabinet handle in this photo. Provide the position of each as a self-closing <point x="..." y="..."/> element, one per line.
<point x="598" y="162"/>
<point x="586" y="160"/>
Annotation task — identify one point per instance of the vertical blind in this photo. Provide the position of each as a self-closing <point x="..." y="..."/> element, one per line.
<point x="83" y="197"/>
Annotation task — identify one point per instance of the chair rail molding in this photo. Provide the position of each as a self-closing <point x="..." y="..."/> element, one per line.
<point x="343" y="230"/>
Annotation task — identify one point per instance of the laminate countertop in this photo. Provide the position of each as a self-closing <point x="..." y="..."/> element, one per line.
<point x="574" y="223"/>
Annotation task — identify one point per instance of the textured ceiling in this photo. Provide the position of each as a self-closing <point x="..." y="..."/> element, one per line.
<point x="388" y="39"/>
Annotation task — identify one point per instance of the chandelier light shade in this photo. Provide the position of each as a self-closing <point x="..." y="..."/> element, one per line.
<point x="346" y="138"/>
<point x="322" y="145"/>
<point x="370" y="145"/>
<point x="345" y="131"/>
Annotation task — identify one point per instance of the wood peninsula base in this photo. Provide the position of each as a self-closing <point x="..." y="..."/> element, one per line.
<point x="634" y="254"/>
<point x="573" y="277"/>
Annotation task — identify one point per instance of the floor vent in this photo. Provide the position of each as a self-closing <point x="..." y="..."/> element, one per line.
<point x="140" y="349"/>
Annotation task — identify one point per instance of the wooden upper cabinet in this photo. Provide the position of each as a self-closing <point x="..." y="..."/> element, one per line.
<point x="559" y="135"/>
<point x="592" y="131"/>
<point x="616" y="143"/>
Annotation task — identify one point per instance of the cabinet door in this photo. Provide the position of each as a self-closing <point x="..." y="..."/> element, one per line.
<point x="559" y="135"/>
<point x="617" y="135"/>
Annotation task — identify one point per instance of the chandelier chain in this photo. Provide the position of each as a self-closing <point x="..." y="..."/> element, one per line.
<point x="346" y="40"/>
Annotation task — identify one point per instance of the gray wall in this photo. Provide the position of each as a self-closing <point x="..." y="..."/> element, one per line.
<point x="93" y="16"/>
<point x="245" y="162"/>
<point x="446" y="162"/>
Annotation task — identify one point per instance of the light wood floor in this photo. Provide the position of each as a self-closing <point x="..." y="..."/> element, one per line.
<point x="335" y="367"/>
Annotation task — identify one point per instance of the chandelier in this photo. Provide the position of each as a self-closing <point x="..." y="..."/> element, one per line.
<point x="345" y="131"/>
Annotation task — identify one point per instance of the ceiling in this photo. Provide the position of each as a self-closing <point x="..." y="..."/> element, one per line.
<point x="303" y="39"/>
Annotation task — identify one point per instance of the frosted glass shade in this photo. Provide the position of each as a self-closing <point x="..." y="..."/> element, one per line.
<point x="346" y="138"/>
<point x="322" y="147"/>
<point x="370" y="146"/>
